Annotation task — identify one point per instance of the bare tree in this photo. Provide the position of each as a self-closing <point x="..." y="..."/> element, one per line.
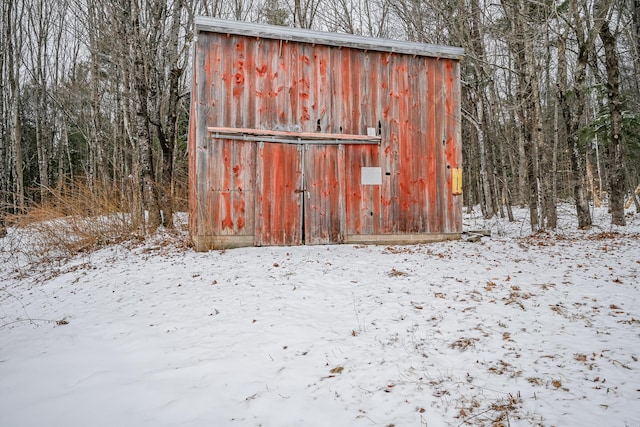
<point x="13" y="32"/>
<point x="573" y="99"/>
<point x="521" y="44"/>
<point x="616" y="135"/>
<point x="477" y="86"/>
<point x="305" y="12"/>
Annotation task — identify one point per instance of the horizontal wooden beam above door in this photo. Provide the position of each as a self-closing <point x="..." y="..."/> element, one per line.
<point x="288" y="137"/>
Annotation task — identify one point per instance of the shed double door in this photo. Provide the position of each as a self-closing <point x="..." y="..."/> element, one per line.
<point x="300" y="197"/>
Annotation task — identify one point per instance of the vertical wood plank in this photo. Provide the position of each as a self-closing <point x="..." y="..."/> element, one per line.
<point x="342" y="194"/>
<point x="291" y="83"/>
<point x="417" y="124"/>
<point x="440" y="145"/>
<point x="408" y="190"/>
<point x="305" y="75"/>
<point x="388" y="148"/>
<point x="432" y="187"/>
<point x="453" y="147"/>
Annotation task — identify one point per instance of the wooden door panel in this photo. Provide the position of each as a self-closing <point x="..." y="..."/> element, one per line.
<point x="228" y="205"/>
<point x="324" y="196"/>
<point x="278" y="199"/>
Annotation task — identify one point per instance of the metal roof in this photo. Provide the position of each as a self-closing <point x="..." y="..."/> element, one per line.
<point x="208" y="24"/>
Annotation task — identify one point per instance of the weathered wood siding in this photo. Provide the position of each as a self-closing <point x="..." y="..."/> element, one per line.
<point x="279" y="176"/>
<point x="279" y="194"/>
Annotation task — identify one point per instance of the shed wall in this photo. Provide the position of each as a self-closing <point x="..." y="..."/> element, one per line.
<point x="272" y="193"/>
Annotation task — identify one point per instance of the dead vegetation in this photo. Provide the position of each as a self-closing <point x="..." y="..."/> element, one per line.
<point x="498" y="413"/>
<point x="75" y="219"/>
<point x="463" y="343"/>
<point x="396" y="273"/>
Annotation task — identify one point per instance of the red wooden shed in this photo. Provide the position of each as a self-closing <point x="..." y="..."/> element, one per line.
<point x="307" y="137"/>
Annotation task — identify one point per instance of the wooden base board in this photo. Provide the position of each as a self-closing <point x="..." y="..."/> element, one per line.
<point x="206" y="243"/>
<point x="399" y="239"/>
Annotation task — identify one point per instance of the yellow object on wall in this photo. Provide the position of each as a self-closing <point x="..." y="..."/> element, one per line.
<point x="456" y="181"/>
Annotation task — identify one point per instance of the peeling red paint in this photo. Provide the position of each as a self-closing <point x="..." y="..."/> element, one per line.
<point x="227" y="222"/>
<point x="305" y="115"/>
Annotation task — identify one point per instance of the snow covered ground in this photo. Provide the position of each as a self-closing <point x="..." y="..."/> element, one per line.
<point x="514" y="330"/>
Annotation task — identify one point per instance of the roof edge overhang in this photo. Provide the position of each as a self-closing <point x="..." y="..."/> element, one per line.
<point x="223" y="26"/>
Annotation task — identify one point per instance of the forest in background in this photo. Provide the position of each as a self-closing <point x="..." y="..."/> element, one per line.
<point x="95" y="98"/>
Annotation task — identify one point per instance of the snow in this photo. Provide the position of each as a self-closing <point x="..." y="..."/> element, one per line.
<point x="514" y="330"/>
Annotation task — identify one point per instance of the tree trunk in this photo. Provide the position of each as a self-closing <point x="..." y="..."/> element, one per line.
<point x="167" y="133"/>
<point x="636" y="30"/>
<point x="484" y="174"/>
<point x="140" y="68"/>
<point x="15" y="127"/>
<point x="4" y="175"/>
<point x="16" y="144"/>
<point x="548" y="149"/>
<point x="304" y="12"/>
<point x="572" y="115"/>
<point x="506" y="197"/>
<point x="523" y="193"/>
<point x="478" y="87"/>
<point x="521" y="45"/>
<point x="616" y="135"/>
<point x="41" y="106"/>
<point x="167" y="144"/>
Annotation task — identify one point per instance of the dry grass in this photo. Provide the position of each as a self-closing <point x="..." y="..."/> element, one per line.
<point x="75" y="219"/>
<point x="493" y="413"/>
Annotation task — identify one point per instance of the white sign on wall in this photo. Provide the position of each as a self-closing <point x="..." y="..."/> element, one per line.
<point x="371" y="176"/>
